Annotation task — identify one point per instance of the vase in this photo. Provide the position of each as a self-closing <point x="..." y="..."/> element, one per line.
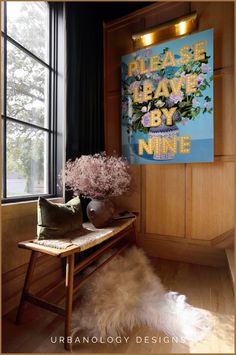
<point x="100" y="212"/>
<point x="160" y="132"/>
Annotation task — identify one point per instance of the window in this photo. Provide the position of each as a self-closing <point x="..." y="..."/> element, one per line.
<point x="29" y="100"/>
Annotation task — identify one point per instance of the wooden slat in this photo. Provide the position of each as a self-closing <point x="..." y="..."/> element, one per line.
<point x="171" y="238"/>
<point x="70" y="262"/>
<point x="224" y="115"/>
<point x="99" y="252"/>
<point x="113" y="125"/>
<point x="230" y="258"/>
<point x="185" y="252"/>
<point x="81" y="282"/>
<point x="225" y="240"/>
<point x="27" y="283"/>
<point x="226" y="158"/>
<point x="188" y="200"/>
<point x="37" y="301"/>
<point x="30" y="245"/>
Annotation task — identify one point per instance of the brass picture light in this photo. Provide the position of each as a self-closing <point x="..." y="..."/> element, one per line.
<point x="170" y="30"/>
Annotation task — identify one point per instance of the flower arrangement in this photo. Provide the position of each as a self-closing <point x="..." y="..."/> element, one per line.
<point x="98" y="176"/>
<point x="187" y="105"/>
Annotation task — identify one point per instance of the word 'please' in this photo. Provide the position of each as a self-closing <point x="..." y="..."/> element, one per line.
<point x="155" y="63"/>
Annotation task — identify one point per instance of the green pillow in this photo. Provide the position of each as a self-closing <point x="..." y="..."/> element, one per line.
<point x="57" y="219"/>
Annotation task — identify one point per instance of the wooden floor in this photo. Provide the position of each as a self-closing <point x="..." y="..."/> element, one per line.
<point x="205" y="287"/>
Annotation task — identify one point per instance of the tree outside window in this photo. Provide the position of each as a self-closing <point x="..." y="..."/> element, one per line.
<point x="27" y="123"/>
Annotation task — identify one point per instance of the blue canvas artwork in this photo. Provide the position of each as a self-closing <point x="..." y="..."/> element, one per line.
<point x="167" y="102"/>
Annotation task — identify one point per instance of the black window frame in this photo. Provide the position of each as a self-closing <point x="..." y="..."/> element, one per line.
<point x="52" y="67"/>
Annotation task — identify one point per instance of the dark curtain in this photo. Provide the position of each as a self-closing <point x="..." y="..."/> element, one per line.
<point x="84" y="84"/>
<point x="84" y="81"/>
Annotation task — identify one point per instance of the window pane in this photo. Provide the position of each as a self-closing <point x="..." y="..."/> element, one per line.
<point x="27" y="88"/>
<point x="2" y="74"/>
<point x="2" y="150"/>
<point x="28" y="24"/>
<point x="2" y="16"/>
<point x="27" y="160"/>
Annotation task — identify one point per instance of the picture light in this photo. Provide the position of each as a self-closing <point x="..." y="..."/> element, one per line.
<point x="169" y="30"/>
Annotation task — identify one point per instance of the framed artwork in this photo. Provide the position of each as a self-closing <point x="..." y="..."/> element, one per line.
<point x="167" y="102"/>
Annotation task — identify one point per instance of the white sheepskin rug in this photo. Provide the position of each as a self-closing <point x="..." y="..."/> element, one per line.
<point x="127" y="293"/>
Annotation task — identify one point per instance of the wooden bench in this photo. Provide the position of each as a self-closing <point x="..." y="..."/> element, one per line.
<point x="111" y="235"/>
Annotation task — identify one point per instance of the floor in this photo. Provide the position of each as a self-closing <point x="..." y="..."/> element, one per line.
<point x="206" y="287"/>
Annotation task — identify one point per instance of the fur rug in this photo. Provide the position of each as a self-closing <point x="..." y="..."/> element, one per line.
<point x="127" y="293"/>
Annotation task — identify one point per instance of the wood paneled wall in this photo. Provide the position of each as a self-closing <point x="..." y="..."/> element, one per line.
<point x="19" y="222"/>
<point x="186" y="210"/>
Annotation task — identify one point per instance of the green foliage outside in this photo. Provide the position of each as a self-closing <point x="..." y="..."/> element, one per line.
<point x="27" y="95"/>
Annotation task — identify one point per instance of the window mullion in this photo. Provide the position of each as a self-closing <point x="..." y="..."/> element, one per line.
<point x="49" y="172"/>
<point x="29" y="124"/>
<point x="26" y="51"/>
<point x="55" y="61"/>
<point x="53" y="100"/>
<point x="4" y="135"/>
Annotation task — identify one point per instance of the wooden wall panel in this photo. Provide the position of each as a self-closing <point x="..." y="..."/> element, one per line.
<point x="132" y="201"/>
<point x="19" y="222"/>
<point x="162" y="13"/>
<point x="113" y="57"/>
<point x="175" y="250"/>
<point x="224" y="112"/>
<point x="48" y="271"/>
<point x="113" y="125"/>
<point x="220" y="16"/>
<point x="165" y="200"/>
<point x="212" y="199"/>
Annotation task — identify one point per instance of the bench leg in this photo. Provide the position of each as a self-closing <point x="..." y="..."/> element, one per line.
<point x="28" y="278"/>
<point x="69" y="297"/>
<point x="134" y="233"/>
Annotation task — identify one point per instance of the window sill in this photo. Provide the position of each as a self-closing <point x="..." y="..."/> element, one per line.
<point x="21" y="209"/>
<point x="33" y="199"/>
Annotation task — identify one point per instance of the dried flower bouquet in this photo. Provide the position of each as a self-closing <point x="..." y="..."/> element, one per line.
<point x="98" y="176"/>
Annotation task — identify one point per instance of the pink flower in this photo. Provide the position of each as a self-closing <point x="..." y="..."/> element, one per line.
<point x="133" y="85"/>
<point x="184" y="121"/>
<point x="205" y="68"/>
<point x="195" y="102"/>
<point x="124" y="107"/>
<point x="201" y="78"/>
<point x="176" y="98"/>
<point x="206" y="105"/>
<point x="144" y="109"/>
<point x="98" y="176"/>
<point x="146" y="120"/>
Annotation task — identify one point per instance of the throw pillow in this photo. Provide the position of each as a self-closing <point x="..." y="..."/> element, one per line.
<point x="57" y="219"/>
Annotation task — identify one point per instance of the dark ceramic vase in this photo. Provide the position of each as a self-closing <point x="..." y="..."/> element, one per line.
<point x="100" y="212"/>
